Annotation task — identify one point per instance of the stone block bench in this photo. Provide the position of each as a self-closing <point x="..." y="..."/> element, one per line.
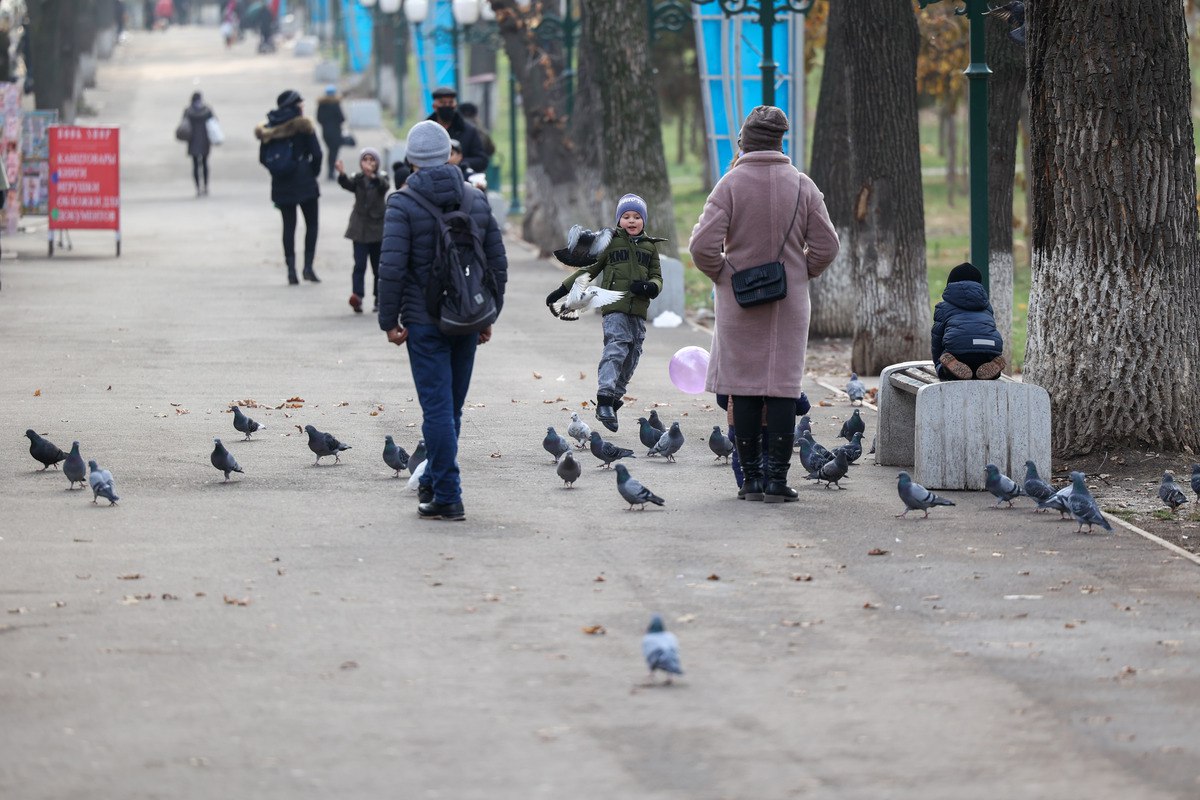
<point x="949" y="430"/>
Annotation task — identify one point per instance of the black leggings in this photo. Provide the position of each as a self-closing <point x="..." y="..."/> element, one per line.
<point x="309" y="209"/>
<point x="200" y="167"/>
<point x="748" y="413"/>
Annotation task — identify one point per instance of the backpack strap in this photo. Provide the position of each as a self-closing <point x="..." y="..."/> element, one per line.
<point x="463" y="206"/>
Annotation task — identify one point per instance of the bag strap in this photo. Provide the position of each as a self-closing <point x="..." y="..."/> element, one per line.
<point x="796" y="213"/>
<point x="463" y="206"/>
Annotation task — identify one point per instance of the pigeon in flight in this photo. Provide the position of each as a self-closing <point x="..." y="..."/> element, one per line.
<point x="583" y="246"/>
<point x="584" y="295"/>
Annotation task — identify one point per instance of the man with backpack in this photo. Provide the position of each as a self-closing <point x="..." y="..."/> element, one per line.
<point x="291" y="152"/>
<point x="441" y="285"/>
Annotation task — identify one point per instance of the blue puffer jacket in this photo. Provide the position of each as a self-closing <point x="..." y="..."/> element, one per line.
<point x="408" y="236"/>
<point x="964" y="323"/>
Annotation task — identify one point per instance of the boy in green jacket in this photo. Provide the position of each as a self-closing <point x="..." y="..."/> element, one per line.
<point x="629" y="264"/>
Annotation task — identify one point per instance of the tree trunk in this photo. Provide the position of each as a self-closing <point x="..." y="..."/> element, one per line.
<point x="52" y="28"/>
<point x="1114" y="334"/>
<point x="949" y="120"/>
<point x="1005" y="90"/>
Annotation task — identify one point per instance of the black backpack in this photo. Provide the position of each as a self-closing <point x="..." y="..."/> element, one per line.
<point x="461" y="293"/>
<point x="279" y="157"/>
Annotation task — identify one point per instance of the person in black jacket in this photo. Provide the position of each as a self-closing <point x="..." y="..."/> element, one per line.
<point x="365" y="231"/>
<point x="294" y="169"/>
<point x="445" y="113"/>
<point x="441" y="365"/>
<point x="965" y="343"/>
<point x="199" y="146"/>
<point x="330" y="118"/>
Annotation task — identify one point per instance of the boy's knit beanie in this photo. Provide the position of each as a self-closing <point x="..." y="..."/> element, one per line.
<point x="965" y="272"/>
<point x="763" y="129"/>
<point x="631" y="202"/>
<point x="371" y="151"/>
<point x="428" y="144"/>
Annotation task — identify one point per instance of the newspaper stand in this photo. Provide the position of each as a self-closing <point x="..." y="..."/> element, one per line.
<point x="85" y="180"/>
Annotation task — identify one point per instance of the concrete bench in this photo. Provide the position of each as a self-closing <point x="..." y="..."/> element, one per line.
<point x="949" y="430"/>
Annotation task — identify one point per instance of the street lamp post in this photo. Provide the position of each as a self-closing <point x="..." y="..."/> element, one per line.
<point x="564" y="29"/>
<point x="769" y="13"/>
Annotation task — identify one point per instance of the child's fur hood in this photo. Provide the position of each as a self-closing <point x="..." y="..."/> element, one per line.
<point x="293" y="127"/>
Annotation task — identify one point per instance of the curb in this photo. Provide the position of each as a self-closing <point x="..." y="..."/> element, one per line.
<point x="1147" y="535"/>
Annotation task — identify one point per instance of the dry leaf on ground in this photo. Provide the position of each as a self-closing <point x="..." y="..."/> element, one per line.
<point x="594" y="630"/>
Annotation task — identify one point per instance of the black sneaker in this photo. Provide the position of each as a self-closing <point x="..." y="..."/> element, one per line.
<point x="452" y="512"/>
<point x="607" y="417"/>
<point x="424" y="493"/>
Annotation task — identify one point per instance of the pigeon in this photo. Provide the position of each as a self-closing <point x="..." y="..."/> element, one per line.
<point x="833" y="471"/>
<point x="554" y="444"/>
<point x="568" y="469"/>
<point x="607" y="451"/>
<point x="1013" y="15"/>
<point x="647" y="433"/>
<point x="74" y="468"/>
<point x="817" y="448"/>
<point x="244" y="424"/>
<point x="101" y="481"/>
<point x="324" y="444"/>
<point x="417" y="458"/>
<point x="1196" y="479"/>
<point x="1083" y="506"/>
<point x="584" y="246"/>
<point x="1058" y="501"/>
<point x="1002" y="487"/>
<point x="579" y="430"/>
<point x="634" y="493"/>
<point x="584" y="295"/>
<point x="44" y="450"/>
<point x="805" y="424"/>
<point x="853" y="450"/>
<point x="655" y="422"/>
<point x="916" y="497"/>
<point x="660" y="648"/>
<point x="395" y="457"/>
<point x="1168" y="491"/>
<point x="223" y="460"/>
<point x="720" y="444"/>
<point x="1035" y="487"/>
<point x="855" y="388"/>
<point x="810" y="459"/>
<point x="669" y="443"/>
<point x="855" y="423"/>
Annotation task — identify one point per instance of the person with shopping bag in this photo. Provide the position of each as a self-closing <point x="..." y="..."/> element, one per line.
<point x="200" y="129"/>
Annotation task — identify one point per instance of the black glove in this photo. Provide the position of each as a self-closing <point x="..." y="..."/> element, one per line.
<point x="556" y="295"/>
<point x="802" y="405"/>
<point x="644" y="289"/>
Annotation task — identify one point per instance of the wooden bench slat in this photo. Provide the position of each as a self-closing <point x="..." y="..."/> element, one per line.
<point x="904" y="383"/>
<point x="923" y="376"/>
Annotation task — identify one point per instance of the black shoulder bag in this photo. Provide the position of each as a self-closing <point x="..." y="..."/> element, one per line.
<point x="765" y="283"/>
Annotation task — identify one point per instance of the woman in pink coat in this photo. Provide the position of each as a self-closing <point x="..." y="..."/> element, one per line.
<point x="762" y="210"/>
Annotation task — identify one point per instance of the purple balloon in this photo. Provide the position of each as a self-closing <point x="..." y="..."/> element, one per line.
<point x="688" y="369"/>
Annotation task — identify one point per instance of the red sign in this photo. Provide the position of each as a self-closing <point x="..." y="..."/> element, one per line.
<point x="85" y="177"/>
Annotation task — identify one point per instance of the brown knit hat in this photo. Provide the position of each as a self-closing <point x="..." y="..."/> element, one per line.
<point x="763" y="129"/>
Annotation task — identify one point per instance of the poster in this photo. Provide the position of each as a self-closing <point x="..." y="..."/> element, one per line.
<point x="35" y="162"/>
<point x="85" y="178"/>
<point x="10" y="143"/>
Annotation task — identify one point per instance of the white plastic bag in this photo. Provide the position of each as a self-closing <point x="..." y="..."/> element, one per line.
<point x="215" y="134"/>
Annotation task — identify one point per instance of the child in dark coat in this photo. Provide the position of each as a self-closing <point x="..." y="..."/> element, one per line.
<point x="965" y="342"/>
<point x="365" y="230"/>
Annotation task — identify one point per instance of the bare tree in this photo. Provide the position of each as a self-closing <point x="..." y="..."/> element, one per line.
<point x="1113" y="328"/>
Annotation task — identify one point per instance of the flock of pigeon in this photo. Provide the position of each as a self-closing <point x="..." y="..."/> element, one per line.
<point x="49" y="454"/>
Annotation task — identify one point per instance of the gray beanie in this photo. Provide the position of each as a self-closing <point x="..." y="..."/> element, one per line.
<point x="428" y="144"/>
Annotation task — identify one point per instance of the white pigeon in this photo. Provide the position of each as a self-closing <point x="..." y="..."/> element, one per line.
<point x="583" y="296"/>
<point x="579" y="431"/>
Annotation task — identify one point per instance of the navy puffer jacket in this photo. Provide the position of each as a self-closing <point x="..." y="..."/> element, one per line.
<point x="964" y="323"/>
<point x="409" y="232"/>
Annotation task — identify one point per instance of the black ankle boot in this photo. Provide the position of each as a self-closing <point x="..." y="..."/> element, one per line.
<point x="291" y="268"/>
<point x="779" y="458"/>
<point x="749" y="450"/>
<point x="605" y="412"/>
<point x="309" y="275"/>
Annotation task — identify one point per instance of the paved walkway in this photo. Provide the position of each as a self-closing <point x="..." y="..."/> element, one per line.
<point x="298" y="633"/>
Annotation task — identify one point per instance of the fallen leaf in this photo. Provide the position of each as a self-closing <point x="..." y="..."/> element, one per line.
<point x="233" y="601"/>
<point x="182" y="411"/>
<point x="537" y="376"/>
<point x="201" y="594"/>
<point x="496" y="455"/>
<point x="594" y="630"/>
<point x="802" y="577"/>
<point x="132" y="576"/>
<point x="598" y="579"/>
<point x="713" y="577"/>
<point x="294" y="400"/>
<point x="374" y="414"/>
<point x="176" y="404"/>
<point x="109" y="389"/>
<point x="686" y="618"/>
<point x="21" y="610"/>
<point x="870" y="605"/>
<point x="59" y="603"/>
<point x="877" y="552"/>
<point x="348" y="665"/>
<point x="343" y="403"/>
<point x="582" y="375"/>
<point x="169" y="596"/>
<point x="825" y="404"/>
<point x="281" y="571"/>
<point x="38" y="392"/>
<point x="549" y="402"/>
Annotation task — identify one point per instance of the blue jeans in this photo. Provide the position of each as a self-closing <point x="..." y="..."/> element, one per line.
<point x="441" y="369"/>
<point x="363" y="250"/>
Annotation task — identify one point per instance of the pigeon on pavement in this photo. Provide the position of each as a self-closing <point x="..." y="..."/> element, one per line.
<point x="720" y="444"/>
<point x="855" y="388"/>
<point x="817" y="448"/>
<point x="1196" y="480"/>
<point x="395" y="457"/>
<point x="101" y="481"/>
<point x="1058" y="501"/>
<point x="647" y="433"/>
<point x="655" y="422"/>
<point x="244" y="424"/>
<point x="44" y="450"/>
<point x="607" y="451"/>
<point x="1035" y="487"/>
<point x="810" y="459"/>
<point x="554" y="444"/>
<point x="660" y="648"/>
<point x="74" y="468"/>
<point x="916" y="497"/>
<point x="1083" y="506"/>
<point x="1002" y="487"/>
<point x="568" y="469"/>
<point x="579" y="430"/>
<point x="324" y="444"/>
<point x="634" y="493"/>
<point x="833" y="471"/>
<point x="1168" y="491"/>
<point x="223" y="460"/>
<point x="669" y="443"/>
<point x="417" y="458"/>
<point x="853" y="450"/>
<point x="854" y="423"/>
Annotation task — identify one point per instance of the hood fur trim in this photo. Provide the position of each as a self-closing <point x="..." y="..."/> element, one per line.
<point x="293" y="127"/>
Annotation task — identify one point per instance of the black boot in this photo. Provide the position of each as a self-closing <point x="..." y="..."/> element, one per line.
<point x="309" y="275"/>
<point x="779" y="458"/>
<point x="749" y="450"/>
<point x="605" y="412"/>
<point x="291" y="267"/>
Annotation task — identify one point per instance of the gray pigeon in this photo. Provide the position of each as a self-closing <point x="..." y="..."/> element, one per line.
<point x="568" y="469"/>
<point x="395" y="457"/>
<point x="634" y="493"/>
<point x="607" y="451"/>
<point x="669" y="443"/>
<point x="660" y="648"/>
<point x="1058" y="501"/>
<point x="850" y="426"/>
<point x="1035" y="487"/>
<point x="916" y="497"/>
<point x="853" y="450"/>
<point x="1002" y="487"/>
<point x="720" y="444"/>
<point x="324" y="444"/>
<point x="223" y="460"/>
<point x="1083" y="506"/>
<point x="817" y="448"/>
<point x="1168" y="491"/>
<point x="1196" y="480"/>
<point x="101" y="481"/>
<point x="810" y="459"/>
<point x="833" y="471"/>
<point x="243" y="424"/>
<point x="44" y="450"/>
<point x="554" y="444"/>
<point x="855" y="388"/>
<point x="647" y="433"/>
<point x="418" y="455"/>
<point x="74" y="468"/>
<point x="579" y="430"/>
<point x="655" y="422"/>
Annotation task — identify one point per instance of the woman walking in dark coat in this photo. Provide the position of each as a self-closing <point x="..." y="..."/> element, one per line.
<point x="290" y="150"/>
<point x="199" y="145"/>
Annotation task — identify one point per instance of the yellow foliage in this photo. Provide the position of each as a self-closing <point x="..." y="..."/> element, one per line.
<point x="944" y="54"/>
